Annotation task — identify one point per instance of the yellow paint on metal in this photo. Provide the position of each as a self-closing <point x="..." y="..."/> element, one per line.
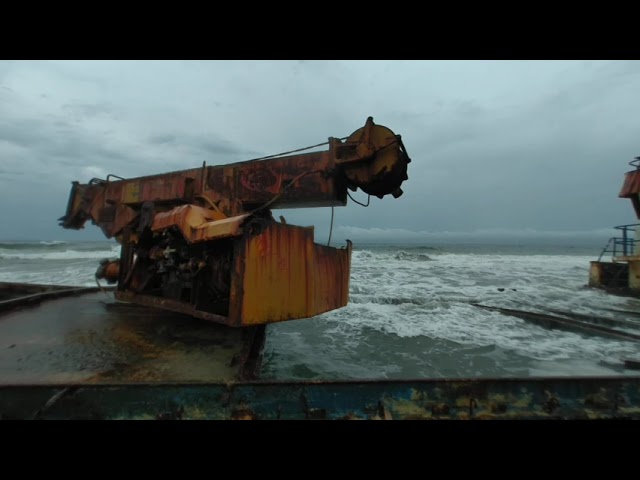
<point x="198" y="224"/>
<point x="634" y="275"/>
<point x="284" y="276"/>
<point x="227" y="227"/>
<point x="131" y="192"/>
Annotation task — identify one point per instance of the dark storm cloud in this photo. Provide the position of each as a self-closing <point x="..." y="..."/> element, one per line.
<point x="58" y="142"/>
<point x="500" y="149"/>
<point x="210" y="146"/>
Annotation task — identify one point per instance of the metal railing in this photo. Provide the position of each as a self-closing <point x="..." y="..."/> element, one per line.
<point x="624" y="245"/>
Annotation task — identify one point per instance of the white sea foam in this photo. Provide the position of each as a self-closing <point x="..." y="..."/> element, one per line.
<point x="54" y="262"/>
<point x="58" y="255"/>
<point x="397" y="294"/>
<point x="410" y="314"/>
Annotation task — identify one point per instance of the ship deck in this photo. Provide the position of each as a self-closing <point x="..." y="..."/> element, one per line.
<point x="92" y="339"/>
<point x="75" y="353"/>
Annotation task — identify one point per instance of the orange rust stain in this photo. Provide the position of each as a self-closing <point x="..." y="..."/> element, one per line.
<point x="287" y="276"/>
<point x="631" y="184"/>
<point x="112" y="271"/>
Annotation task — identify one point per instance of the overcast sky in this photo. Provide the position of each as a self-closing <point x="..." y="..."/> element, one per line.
<point x="511" y="149"/>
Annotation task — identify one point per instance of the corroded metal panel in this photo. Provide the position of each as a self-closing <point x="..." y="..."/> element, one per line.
<point x="169" y="304"/>
<point x="634" y="275"/>
<point x="306" y="180"/>
<point x="595" y="274"/>
<point x="631" y="186"/>
<point x="281" y="274"/>
<point x="561" y="398"/>
<point x="610" y="274"/>
<point x="631" y="189"/>
<point x="330" y="274"/>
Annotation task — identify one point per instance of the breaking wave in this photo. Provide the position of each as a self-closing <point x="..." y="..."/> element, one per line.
<point x="420" y="257"/>
<point x="410" y="312"/>
<point x="408" y="317"/>
<point x="57" y="250"/>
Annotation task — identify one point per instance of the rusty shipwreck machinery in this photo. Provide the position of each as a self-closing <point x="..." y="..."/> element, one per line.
<point x="203" y="241"/>
<point x="621" y="272"/>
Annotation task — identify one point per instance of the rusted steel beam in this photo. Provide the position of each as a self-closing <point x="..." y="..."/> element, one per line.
<point x="251" y="355"/>
<point x="372" y="158"/>
<point x="169" y="304"/>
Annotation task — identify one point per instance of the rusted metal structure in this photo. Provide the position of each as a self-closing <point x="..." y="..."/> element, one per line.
<point x="204" y="242"/>
<point x="621" y="275"/>
<point x="421" y="399"/>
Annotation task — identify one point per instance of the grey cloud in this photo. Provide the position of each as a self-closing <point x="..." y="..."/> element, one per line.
<point x="59" y="141"/>
<point x="84" y="110"/>
<point x="162" y="138"/>
<point x="219" y="147"/>
<point x="203" y="145"/>
<point x="522" y="146"/>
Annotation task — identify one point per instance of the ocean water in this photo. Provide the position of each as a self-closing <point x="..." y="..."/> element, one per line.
<point x="410" y="312"/>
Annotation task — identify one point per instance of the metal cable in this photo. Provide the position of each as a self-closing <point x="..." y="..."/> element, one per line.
<point x="292" y="151"/>
<point x="330" y="229"/>
<point x="395" y="140"/>
<point x="368" y="200"/>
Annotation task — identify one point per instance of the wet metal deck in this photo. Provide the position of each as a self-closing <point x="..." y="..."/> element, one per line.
<point x="87" y="356"/>
<point x="93" y="339"/>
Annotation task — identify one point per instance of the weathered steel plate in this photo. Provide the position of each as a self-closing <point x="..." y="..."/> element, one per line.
<point x="472" y="399"/>
<point x="282" y="274"/>
<point x="93" y="339"/>
<point x="631" y="185"/>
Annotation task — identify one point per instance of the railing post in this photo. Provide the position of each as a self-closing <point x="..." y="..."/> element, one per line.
<point x="627" y="242"/>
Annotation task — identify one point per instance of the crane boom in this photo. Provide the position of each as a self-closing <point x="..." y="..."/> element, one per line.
<point x="203" y="241"/>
